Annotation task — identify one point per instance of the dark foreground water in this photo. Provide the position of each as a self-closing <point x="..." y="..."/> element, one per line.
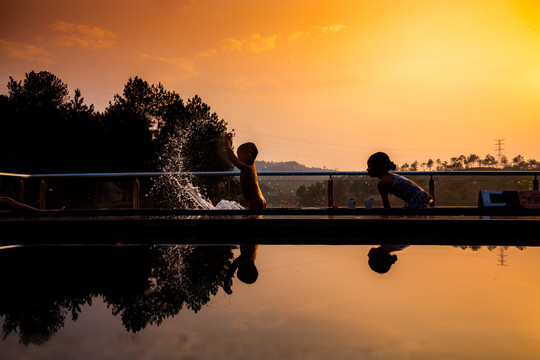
<point x="308" y="302"/>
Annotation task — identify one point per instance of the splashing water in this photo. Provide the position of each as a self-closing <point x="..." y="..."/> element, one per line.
<point x="195" y="195"/>
<point x="177" y="187"/>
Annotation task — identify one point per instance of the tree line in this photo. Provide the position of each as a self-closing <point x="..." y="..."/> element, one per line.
<point x="46" y="131"/>
<point x="473" y="161"/>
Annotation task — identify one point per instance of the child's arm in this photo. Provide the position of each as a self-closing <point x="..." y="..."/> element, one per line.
<point x="231" y="155"/>
<point x="10" y="204"/>
<point x="230" y="272"/>
<point x="384" y="195"/>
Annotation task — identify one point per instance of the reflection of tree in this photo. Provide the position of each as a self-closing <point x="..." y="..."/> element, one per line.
<point x="144" y="285"/>
<point x="186" y="275"/>
<point x="502" y="249"/>
<point x="490" y="247"/>
<point x="36" y="323"/>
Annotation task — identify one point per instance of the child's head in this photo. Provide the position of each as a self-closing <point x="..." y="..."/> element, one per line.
<point x="247" y="273"/>
<point x="380" y="260"/>
<point x="247" y="152"/>
<point x="379" y="163"/>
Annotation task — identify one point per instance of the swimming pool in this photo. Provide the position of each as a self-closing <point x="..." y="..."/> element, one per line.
<point x="309" y="302"/>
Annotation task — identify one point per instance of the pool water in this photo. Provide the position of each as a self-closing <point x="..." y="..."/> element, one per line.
<point x="308" y="302"/>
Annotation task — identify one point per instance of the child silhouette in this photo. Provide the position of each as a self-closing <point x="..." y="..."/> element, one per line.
<point x="245" y="162"/>
<point x="381" y="259"/>
<point x="379" y="165"/>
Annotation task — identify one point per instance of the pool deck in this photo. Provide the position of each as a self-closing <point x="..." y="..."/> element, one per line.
<point x="434" y="226"/>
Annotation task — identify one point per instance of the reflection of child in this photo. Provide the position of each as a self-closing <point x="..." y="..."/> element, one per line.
<point x="381" y="259"/>
<point x="248" y="173"/>
<point x="245" y="263"/>
<point x="415" y="197"/>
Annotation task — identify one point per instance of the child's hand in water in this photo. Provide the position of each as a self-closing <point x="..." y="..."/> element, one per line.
<point x="227" y="286"/>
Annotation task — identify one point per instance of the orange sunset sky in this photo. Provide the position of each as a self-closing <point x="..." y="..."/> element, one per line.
<point x="324" y="83"/>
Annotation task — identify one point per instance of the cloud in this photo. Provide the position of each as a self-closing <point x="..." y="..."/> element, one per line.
<point x="25" y="51"/>
<point x="185" y="5"/>
<point x="86" y="36"/>
<point x="187" y="66"/>
<point x="206" y="54"/>
<point x="297" y="35"/>
<point x="317" y="30"/>
<point x="230" y="45"/>
<point x="254" y="44"/>
<point x="181" y="5"/>
<point x="260" y="87"/>
<point x="331" y="28"/>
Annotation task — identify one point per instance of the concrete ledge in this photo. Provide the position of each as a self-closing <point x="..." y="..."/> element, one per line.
<point x="221" y="228"/>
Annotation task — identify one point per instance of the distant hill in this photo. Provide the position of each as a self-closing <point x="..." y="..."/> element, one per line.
<point x="285" y="166"/>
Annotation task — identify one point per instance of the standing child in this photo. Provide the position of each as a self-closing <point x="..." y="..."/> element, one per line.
<point x="379" y="165"/>
<point x="245" y="162"/>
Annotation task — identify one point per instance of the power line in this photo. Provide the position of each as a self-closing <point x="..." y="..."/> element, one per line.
<point x="499" y="148"/>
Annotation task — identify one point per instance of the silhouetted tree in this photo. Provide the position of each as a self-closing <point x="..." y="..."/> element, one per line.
<point x="455" y="163"/>
<point x="203" y="149"/>
<point x="41" y="91"/>
<point x="128" y="121"/>
<point x="504" y="161"/>
<point x="518" y="161"/>
<point x="142" y="122"/>
<point x="472" y="159"/>
<point x="313" y="195"/>
<point x="45" y="131"/>
<point x="429" y="164"/>
<point x="533" y="164"/>
<point x="33" y="123"/>
<point x="489" y="160"/>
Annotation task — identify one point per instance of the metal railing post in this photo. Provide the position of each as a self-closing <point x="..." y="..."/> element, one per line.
<point x="21" y="190"/>
<point x="136" y="192"/>
<point x="42" y="191"/>
<point x="432" y="190"/>
<point x="535" y="183"/>
<point x="330" y="192"/>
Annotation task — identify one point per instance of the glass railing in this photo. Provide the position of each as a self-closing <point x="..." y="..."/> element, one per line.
<point x="436" y="182"/>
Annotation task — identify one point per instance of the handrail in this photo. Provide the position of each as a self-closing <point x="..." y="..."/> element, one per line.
<point x="279" y="173"/>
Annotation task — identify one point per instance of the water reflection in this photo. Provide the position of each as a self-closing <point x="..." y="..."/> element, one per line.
<point x="245" y="267"/>
<point x="383" y="257"/>
<point x="502" y="261"/>
<point x="143" y="285"/>
<point x="317" y="302"/>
